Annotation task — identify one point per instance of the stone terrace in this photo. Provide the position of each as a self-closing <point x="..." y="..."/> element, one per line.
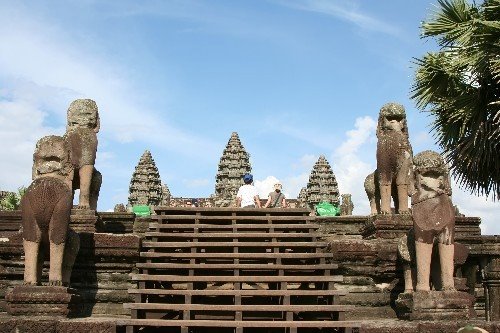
<point x="112" y="269"/>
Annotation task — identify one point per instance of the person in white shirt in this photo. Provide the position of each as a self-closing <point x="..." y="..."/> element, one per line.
<point x="247" y="196"/>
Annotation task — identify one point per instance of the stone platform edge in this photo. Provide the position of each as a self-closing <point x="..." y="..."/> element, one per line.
<point x="23" y="324"/>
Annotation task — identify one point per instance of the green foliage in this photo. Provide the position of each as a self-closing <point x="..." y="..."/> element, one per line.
<point x="13" y="200"/>
<point x="460" y="87"/>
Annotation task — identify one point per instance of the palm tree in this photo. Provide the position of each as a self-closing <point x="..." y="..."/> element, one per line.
<point x="12" y="200"/>
<point x="459" y="85"/>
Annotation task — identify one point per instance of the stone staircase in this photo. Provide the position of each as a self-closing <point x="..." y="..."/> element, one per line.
<point x="235" y="270"/>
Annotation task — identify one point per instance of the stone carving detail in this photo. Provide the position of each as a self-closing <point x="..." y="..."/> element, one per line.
<point x="81" y="137"/>
<point x="46" y="301"/>
<point x="435" y="250"/>
<point x="372" y="190"/>
<point x="120" y="208"/>
<point x="165" y="195"/>
<point x="407" y="255"/>
<point x="322" y="185"/>
<point x="347" y="206"/>
<point x="234" y="163"/>
<point x="433" y="218"/>
<point x="302" y="198"/>
<point x="145" y="185"/>
<point x="45" y="209"/>
<point x="394" y="158"/>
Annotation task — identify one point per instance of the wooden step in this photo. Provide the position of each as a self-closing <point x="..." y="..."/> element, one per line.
<point x="237" y="323"/>
<point x="267" y="255"/>
<point x="216" y="218"/>
<point x="230" y="211"/>
<point x="231" y="235"/>
<point x="244" y="292"/>
<point x="232" y="307"/>
<point x="238" y="226"/>
<point x="234" y="279"/>
<point x="176" y="245"/>
<point x="236" y="266"/>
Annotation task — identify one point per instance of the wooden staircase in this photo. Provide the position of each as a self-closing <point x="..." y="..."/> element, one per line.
<point x="235" y="270"/>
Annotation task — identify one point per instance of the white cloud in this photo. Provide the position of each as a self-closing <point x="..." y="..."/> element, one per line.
<point x="471" y="205"/>
<point x="305" y="162"/>
<point x="364" y="129"/>
<point x="45" y="56"/>
<point x="421" y="139"/>
<point x="351" y="165"/>
<point x="21" y="125"/>
<point x="293" y="185"/>
<point x="264" y="187"/>
<point x="344" y="10"/>
<point x="349" y="162"/>
<point x="304" y="133"/>
<point x="44" y="68"/>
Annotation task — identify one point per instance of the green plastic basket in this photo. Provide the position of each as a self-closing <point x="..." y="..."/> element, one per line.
<point x="141" y="210"/>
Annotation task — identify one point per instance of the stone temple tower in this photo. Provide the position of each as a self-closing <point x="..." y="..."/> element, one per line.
<point x="145" y="185"/>
<point x="165" y="195"/>
<point x="322" y="185"/>
<point x="302" y="198"/>
<point x="234" y="163"/>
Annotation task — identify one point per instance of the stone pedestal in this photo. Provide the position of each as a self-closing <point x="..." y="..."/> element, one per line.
<point x="341" y="226"/>
<point x="42" y="301"/>
<point x="492" y="288"/>
<point x="83" y="220"/>
<point x="435" y="305"/>
<point x="387" y="226"/>
<point x="467" y="226"/>
<point x="141" y="225"/>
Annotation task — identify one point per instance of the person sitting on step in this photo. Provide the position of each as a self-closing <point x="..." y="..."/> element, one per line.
<point x="247" y="196"/>
<point x="276" y="198"/>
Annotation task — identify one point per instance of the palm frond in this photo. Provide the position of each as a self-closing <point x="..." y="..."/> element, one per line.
<point x="459" y="86"/>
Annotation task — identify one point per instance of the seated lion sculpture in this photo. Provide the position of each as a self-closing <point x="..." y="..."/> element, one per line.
<point x="407" y="255"/>
<point x="45" y="209"/>
<point x="81" y="137"/>
<point x="394" y="158"/>
<point x="433" y="218"/>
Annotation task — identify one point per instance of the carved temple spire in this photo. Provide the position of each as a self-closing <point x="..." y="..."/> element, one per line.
<point x="234" y="163"/>
<point x="165" y="195"/>
<point x="322" y="185"/>
<point x="145" y="185"/>
<point x="302" y="198"/>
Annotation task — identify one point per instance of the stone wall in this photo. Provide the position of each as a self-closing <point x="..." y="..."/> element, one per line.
<point x="370" y="266"/>
<point x="372" y="272"/>
<point x="102" y="270"/>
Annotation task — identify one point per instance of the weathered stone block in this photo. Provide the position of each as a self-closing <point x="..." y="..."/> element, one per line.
<point x="435" y="305"/>
<point x="42" y="300"/>
<point x="83" y="220"/>
<point x="387" y="226"/>
<point x="341" y="226"/>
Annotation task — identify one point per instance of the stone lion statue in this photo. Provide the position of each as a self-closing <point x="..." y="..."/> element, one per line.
<point x="407" y="255"/>
<point x="433" y="216"/>
<point x="394" y="158"/>
<point x="45" y="210"/>
<point x="347" y="206"/>
<point x="81" y="137"/>
<point x="372" y="190"/>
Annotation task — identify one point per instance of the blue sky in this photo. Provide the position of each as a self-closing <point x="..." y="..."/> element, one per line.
<point x="296" y="79"/>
